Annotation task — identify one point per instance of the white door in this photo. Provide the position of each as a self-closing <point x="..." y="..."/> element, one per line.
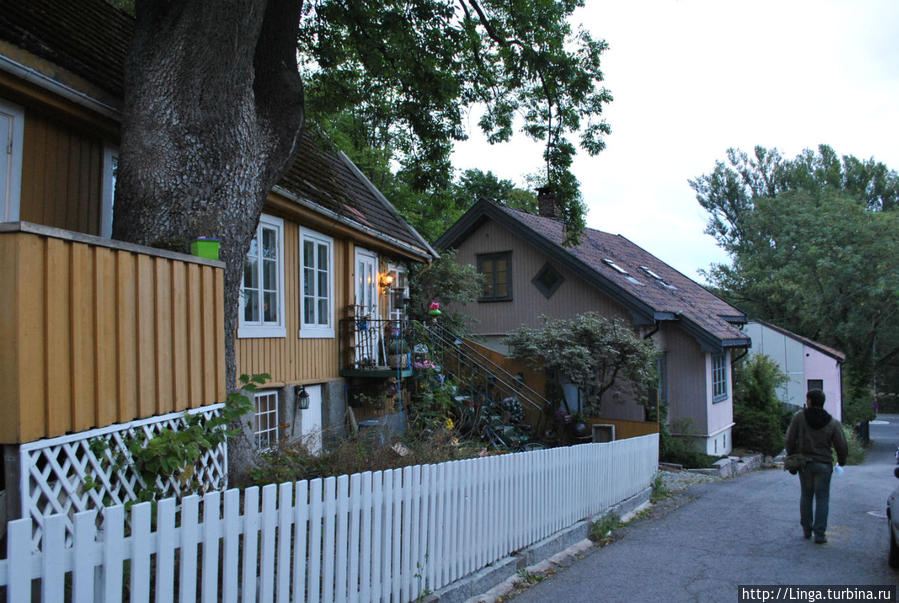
<point x="311" y="420"/>
<point x="367" y="324"/>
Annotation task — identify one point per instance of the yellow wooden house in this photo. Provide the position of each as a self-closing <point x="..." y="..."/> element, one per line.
<point x="100" y="338"/>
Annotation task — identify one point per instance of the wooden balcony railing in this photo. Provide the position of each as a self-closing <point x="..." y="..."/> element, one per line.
<point x="95" y="332"/>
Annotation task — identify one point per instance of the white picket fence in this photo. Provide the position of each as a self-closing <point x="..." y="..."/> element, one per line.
<point x="382" y="536"/>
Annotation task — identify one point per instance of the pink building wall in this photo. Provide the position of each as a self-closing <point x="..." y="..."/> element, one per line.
<point x="821" y="366"/>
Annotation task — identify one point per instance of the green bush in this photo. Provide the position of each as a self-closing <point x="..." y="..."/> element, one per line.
<point x="856" y="450"/>
<point x="681" y="451"/>
<point x="858" y="408"/>
<point x="758" y="413"/>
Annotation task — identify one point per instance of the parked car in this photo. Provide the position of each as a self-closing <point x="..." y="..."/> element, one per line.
<point x="893" y="519"/>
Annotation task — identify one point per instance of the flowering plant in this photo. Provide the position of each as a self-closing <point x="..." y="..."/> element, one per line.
<point x="424" y="365"/>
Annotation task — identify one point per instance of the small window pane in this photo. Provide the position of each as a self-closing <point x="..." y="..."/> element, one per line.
<point x="250" y="274"/>
<point x="251" y="306"/>
<point x="322" y="284"/>
<point x="308" y="254"/>
<point x="269" y="244"/>
<point x="271" y="306"/>
<point x="323" y="311"/>
<point x="322" y="257"/>
<point x="308" y="281"/>
<point x="309" y="310"/>
<point x="270" y="275"/>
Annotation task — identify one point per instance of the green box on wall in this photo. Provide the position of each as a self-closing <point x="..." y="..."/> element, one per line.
<point x="205" y="248"/>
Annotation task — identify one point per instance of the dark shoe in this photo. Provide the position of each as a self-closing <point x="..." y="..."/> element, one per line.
<point x="806" y="533"/>
<point x="820" y="539"/>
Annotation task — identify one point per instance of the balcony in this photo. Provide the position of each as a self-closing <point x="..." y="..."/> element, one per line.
<point x="95" y="332"/>
<point x="375" y="348"/>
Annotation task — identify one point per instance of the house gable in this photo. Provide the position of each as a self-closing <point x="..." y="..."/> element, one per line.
<point x="648" y="288"/>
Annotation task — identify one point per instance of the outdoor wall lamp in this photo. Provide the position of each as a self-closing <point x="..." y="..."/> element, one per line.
<point x="302" y="397"/>
<point x="386" y="281"/>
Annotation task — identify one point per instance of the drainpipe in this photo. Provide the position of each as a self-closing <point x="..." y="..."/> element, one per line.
<point x="658" y="325"/>
<point x="734" y="360"/>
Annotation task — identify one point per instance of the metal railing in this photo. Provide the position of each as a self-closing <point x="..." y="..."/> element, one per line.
<point x="490" y="387"/>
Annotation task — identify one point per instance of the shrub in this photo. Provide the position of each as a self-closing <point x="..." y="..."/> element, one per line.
<point x="681" y="451"/>
<point x="858" y="408"/>
<point x="856" y="450"/>
<point x="758" y="413"/>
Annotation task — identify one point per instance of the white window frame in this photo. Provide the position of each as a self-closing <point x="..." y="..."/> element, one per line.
<point x="110" y="165"/>
<point x="10" y="199"/>
<point x="266" y="439"/>
<point x="316" y="330"/>
<point x="262" y="329"/>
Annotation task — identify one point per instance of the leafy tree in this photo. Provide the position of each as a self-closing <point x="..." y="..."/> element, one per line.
<point x="814" y="244"/>
<point x="446" y="282"/>
<point x="475" y="185"/>
<point x="593" y="352"/>
<point x="728" y="193"/>
<point x="759" y="416"/>
<point x="214" y="102"/>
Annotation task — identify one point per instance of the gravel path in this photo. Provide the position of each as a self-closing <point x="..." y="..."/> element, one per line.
<point x="679" y="480"/>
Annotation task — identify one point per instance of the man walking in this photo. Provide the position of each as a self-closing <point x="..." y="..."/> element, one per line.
<point x="813" y="433"/>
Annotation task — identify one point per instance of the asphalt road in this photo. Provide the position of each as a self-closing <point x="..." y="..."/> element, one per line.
<point x="742" y="531"/>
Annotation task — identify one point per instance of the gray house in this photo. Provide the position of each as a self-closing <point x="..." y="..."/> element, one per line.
<point x="529" y="273"/>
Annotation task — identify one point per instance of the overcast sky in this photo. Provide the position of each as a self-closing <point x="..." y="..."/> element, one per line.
<point x="691" y="78"/>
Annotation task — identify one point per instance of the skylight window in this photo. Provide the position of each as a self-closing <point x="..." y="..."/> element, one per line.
<point x="650" y="273"/>
<point x="615" y="266"/>
<point x="657" y="277"/>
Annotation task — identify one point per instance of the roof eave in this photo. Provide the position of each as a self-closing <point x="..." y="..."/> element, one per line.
<point x="422" y="254"/>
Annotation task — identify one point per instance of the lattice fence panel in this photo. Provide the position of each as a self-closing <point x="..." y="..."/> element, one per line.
<point x="54" y="472"/>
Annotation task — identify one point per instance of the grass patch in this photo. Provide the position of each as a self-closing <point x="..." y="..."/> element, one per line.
<point x="529" y="577"/>
<point x="659" y="490"/>
<point x="602" y="530"/>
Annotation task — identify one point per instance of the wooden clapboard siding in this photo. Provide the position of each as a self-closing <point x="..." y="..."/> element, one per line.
<point x="573" y="297"/>
<point x="293" y="359"/>
<point x="688" y="394"/>
<point x="95" y="332"/>
<point x="62" y="170"/>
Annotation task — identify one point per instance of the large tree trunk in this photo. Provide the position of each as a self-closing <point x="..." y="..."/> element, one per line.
<point x="212" y="115"/>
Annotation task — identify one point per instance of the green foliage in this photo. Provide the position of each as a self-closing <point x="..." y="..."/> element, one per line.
<point x="446" y="282"/>
<point x="529" y="577"/>
<point x="172" y="453"/>
<point x="758" y="413"/>
<point x="856" y="454"/>
<point x="814" y="243"/>
<point x="602" y="530"/>
<point x="659" y="490"/>
<point x="858" y="408"/>
<point x="593" y="352"/>
<point x="431" y="405"/>
<point x="406" y="73"/>
<point x="295" y="461"/>
<point x="682" y="450"/>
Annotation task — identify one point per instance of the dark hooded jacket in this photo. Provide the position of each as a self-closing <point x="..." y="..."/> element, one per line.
<point x="813" y="432"/>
